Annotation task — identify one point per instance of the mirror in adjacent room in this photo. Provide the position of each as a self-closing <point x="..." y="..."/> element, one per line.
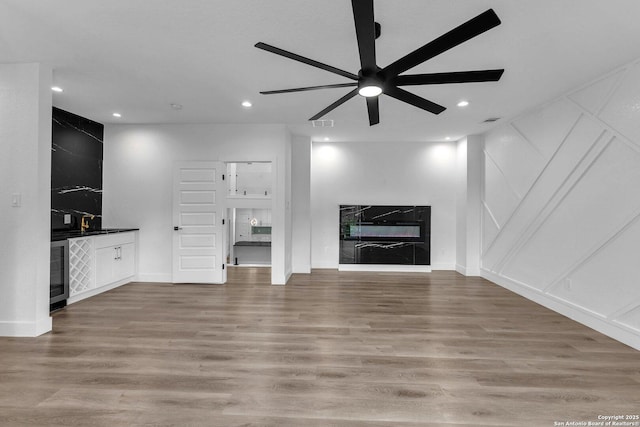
<point x="249" y="179"/>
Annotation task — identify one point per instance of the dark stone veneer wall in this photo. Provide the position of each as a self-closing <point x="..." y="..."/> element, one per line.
<point x="76" y="170"/>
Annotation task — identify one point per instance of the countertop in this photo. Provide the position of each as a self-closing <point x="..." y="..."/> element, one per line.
<point x="71" y="234"/>
<point x="258" y="244"/>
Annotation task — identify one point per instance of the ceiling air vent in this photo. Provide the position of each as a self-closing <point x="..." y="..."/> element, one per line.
<point x="322" y="123"/>
<point x="491" y="120"/>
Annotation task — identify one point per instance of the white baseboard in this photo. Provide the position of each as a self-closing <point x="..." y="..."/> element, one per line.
<point x="249" y="265"/>
<point x="385" y="268"/>
<point x="466" y="271"/>
<point x="287" y="276"/>
<point x="97" y="291"/>
<point x="25" y="329"/>
<point x="154" y="277"/>
<point x="607" y="327"/>
<point x="443" y="266"/>
<point x="325" y="266"/>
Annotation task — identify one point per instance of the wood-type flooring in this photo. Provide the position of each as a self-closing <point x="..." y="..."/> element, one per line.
<point x="328" y="349"/>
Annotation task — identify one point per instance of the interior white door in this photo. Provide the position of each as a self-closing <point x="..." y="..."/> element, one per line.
<point x="198" y="218"/>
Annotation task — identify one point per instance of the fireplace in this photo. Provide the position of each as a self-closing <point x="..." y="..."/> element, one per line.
<point x="385" y="235"/>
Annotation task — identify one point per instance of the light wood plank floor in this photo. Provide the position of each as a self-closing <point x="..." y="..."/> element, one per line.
<point x="328" y="349"/>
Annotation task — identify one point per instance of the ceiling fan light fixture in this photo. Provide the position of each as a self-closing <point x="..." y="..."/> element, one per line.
<point x="372" y="81"/>
<point x="370" y="91"/>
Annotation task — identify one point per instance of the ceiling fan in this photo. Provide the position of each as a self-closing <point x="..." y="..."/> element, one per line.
<point x="372" y="81"/>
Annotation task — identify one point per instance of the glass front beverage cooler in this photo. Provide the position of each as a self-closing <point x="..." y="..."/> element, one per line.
<point x="59" y="282"/>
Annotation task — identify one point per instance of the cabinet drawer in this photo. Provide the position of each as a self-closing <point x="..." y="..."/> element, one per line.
<point x="106" y="240"/>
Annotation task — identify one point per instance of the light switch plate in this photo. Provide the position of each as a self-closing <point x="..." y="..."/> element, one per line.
<point x="67" y="218"/>
<point x="16" y="200"/>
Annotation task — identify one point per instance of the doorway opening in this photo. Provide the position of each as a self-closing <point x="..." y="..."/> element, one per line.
<point x="250" y="237"/>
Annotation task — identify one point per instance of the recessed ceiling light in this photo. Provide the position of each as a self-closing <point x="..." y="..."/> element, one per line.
<point x="246" y="104"/>
<point x="56" y="89"/>
<point x="117" y="115"/>
<point x="176" y="106"/>
<point x="463" y="103"/>
<point x="448" y="138"/>
<point x="326" y="138"/>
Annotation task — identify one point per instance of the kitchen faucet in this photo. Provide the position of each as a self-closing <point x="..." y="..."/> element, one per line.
<point x="84" y="225"/>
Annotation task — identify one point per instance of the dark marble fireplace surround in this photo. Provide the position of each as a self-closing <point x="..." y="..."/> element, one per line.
<point x="384" y="234"/>
<point x="76" y="170"/>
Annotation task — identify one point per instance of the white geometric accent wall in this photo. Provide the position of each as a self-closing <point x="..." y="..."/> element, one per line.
<point x="561" y="205"/>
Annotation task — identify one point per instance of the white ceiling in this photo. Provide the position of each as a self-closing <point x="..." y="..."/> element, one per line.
<point x="138" y="57"/>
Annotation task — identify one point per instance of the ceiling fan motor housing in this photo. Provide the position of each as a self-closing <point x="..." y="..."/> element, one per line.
<point x="368" y="78"/>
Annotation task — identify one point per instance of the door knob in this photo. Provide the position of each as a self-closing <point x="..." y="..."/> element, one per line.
<point x="177" y="228"/>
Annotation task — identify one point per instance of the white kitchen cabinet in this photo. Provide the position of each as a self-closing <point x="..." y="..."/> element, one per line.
<point x="115" y="258"/>
<point x="127" y="264"/>
<point x="114" y="263"/>
<point x="104" y="264"/>
<point x="109" y="261"/>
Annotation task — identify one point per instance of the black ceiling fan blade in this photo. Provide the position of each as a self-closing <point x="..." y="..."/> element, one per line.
<point x="473" y="27"/>
<point x="335" y="104"/>
<point x="365" y="33"/>
<point x="373" y="110"/>
<point x="303" y="89"/>
<point x="453" y="77"/>
<point x="415" y="100"/>
<point x="304" y="60"/>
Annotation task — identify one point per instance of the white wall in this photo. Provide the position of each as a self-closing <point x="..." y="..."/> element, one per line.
<point x="138" y="171"/>
<point x="288" y="214"/>
<point x="416" y="173"/>
<point x="301" y="204"/>
<point x="561" y="214"/>
<point x="25" y="169"/>
<point x="468" y="202"/>
<point x="461" y="206"/>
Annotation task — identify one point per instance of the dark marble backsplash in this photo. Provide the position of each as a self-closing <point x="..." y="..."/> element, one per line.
<point x="76" y="170"/>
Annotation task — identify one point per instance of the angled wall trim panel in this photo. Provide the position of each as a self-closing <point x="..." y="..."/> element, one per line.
<point x="548" y="127"/>
<point x="550" y="187"/>
<point x="569" y="236"/>
<point x="595" y="96"/>
<point x="619" y="330"/>
<point x="580" y="285"/>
